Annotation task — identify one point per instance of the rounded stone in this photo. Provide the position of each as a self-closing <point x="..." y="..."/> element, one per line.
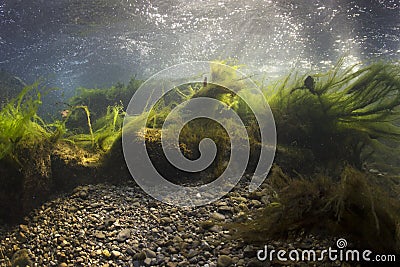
<point x="224" y="261"/>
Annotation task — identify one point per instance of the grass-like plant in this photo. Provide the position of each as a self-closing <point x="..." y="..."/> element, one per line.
<point x="102" y="133"/>
<point x="356" y="208"/>
<point x="341" y="115"/>
<point x="97" y="100"/>
<point x="19" y="123"/>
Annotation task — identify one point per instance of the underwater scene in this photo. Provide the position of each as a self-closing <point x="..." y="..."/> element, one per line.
<point x="207" y="133"/>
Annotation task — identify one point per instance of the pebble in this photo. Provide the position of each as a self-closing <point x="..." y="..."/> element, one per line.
<point x="147" y="261"/>
<point x="106" y="253"/>
<point x="218" y="216"/>
<point x="24" y="228"/>
<point x="123" y="235"/>
<point x="168" y="229"/>
<point x="224" y="261"/>
<point x="103" y="228"/>
<point x="139" y="256"/>
<point x="99" y="235"/>
<point x="115" y="253"/>
<point x="256" y="203"/>
<point x="150" y="253"/>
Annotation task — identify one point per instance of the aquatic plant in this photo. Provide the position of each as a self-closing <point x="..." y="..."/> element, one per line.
<point x="109" y="127"/>
<point x="100" y="135"/>
<point x="332" y="121"/>
<point x="356" y="207"/>
<point x="10" y="87"/>
<point x="98" y="99"/>
<point x="26" y="145"/>
<point x="342" y="115"/>
<point x="19" y="123"/>
<point x="170" y="100"/>
<point x="77" y="136"/>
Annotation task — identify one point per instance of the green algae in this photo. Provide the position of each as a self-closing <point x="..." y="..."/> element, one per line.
<point x="20" y="124"/>
<point x="356" y="208"/>
<point x="345" y="117"/>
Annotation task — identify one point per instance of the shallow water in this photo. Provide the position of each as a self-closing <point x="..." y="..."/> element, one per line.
<point x="96" y="43"/>
<point x="74" y="43"/>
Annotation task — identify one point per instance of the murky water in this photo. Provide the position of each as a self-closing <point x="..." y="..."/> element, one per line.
<point x="96" y="43"/>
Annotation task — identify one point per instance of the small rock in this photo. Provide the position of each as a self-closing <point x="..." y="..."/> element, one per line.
<point x="172" y="250"/>
<point x="255" y="195"/>
<point x="224" y="261"/>
<point x="63" y="264"/>
<point x="256" y="203"/>
<point x="109" y="221"/>
<point x="106" y="253"/>
<point x="64" y="243"/>
<point x="147" y="262"/>
<point x="225" y="251"/>
<point x="265" y="200"/>
<point x="249" y="251"/>
<point x="235" y="259"/>
<point x="21" y="237"/>
<point x="177" y="239"/>
<point x="192" y="253"/>
<point x="115" y="253"/>
<point x="225" y="209"/>
<point x="130" y="251"/>
<point x="99" y="235"/>
<point x="83" y="194"/>
<point x="139" y="256"/>
<point x="165" y="220"/>
<point x="207" y="224"/>
<point x="374" y="171"/>
<point x="183" y="263"/>
<point x="150" y="253"/>
<point x="239" y="199"/>
<point x="123" y="235"/>
<point x="168" y="229"/>
<point x="215" y="229"/>
<point x="218" y="216"/>
<point x="24" y="228"/>
<point x="241" y="262"/>
<point x="183" y="245"/>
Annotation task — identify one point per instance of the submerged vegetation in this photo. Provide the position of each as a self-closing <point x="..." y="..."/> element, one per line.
<point x="97" y="100"/>
<point x="356" y="207"/>
<point x="99" y="136"/>
<point x="339" y="122"/>
<point x="26" y="142"/>
<point x="34" y="153"/>
<point x="331" y="128"/>
<point x="20" y="124"/>
<point x="342" y="117"/>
